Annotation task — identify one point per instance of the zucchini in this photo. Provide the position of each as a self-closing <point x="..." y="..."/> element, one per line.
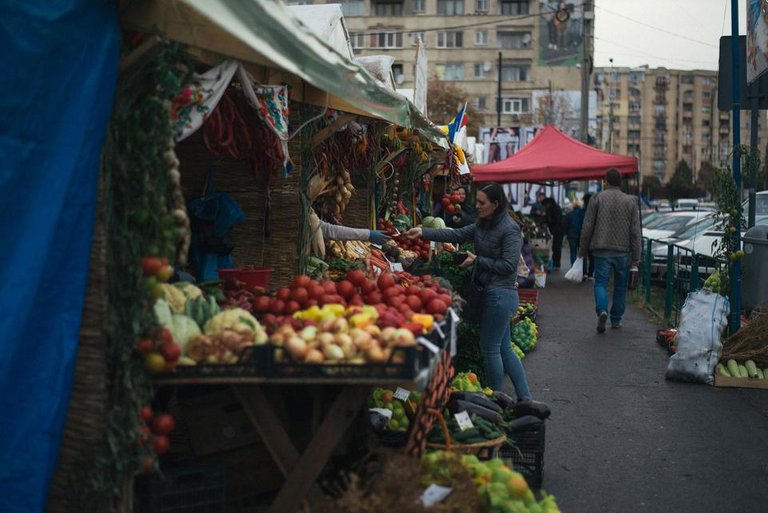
<point x="743" y="371"/>
<point x="760" y="374"/>
<point x="463" y="436"/>
<point x="477" y="398"/>
<point x="765" y="372"/>
<point x="733" y="368"/>
<point x="722" y="370"/>
<point x="751" y="368"/>
<point x="504" y="400"/>
<point x="458" y="405"/>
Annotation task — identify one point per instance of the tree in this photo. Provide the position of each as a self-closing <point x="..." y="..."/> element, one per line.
<point x="681" y="184"/>
<point x="444" y="100"/>
<point x="652" y="187"/>
<point x="704" y="178"/>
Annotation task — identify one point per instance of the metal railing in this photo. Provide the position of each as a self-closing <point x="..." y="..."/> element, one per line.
<point x="667" y="278"/>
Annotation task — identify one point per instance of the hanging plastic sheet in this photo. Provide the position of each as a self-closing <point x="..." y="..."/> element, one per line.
<point x="60" y="63"/>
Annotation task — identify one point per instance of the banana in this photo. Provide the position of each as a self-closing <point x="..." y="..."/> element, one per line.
<point x="460" y="155"/>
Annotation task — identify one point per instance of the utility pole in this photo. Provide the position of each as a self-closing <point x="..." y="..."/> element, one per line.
<point x="586" y="68"/>
<point x="498" y="102"/>
<point x="610" y="109"/>
<point x="735" y="274"/>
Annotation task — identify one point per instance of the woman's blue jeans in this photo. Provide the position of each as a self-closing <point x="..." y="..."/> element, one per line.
<point x="499" y="306"/>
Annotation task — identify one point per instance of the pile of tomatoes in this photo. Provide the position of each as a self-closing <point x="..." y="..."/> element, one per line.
<point x="419" y="246"/>
<point x="451" y="203"/>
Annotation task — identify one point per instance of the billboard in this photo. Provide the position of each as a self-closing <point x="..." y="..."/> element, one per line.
<point x="561" y="33"/>
<point x="757" y="39"/>
<point x="502" y="142"/>
<point x="522" y="195"/>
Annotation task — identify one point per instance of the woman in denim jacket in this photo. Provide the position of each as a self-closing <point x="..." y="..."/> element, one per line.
<point x="497" y="240"/>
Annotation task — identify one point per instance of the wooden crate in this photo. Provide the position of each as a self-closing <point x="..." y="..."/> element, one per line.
<point x="731" y="382"/>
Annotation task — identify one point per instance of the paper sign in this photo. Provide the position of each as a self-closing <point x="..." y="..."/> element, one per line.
<point x="386" y="412"/>
<point x="434" y="494"/>
<point x="439" y="330"/>
<point x="401" y="394"/>
<point x="432" y="245"/>
<point x="463" y="420"/>
<point x="429" y="345"/>
<point x="396" y="267"/>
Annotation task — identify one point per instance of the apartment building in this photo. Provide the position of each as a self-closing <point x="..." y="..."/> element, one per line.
<point x="463" y="39"/>
<point x="662" y="116"/>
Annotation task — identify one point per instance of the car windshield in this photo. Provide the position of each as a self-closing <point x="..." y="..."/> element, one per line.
<point x="650" y="217"/>
<point x="697" y="228"/>
<point x="655" y="222"/>
<point x="673" y="223"/>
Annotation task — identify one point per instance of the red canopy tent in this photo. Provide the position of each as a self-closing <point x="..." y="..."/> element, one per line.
<point x="552" y="156"/>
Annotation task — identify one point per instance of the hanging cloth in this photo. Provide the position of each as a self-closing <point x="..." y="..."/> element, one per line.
<point x="190" y="109"/>
<point x="271" y="104"/>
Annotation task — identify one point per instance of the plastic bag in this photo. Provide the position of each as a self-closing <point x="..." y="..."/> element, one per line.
<point x="576" y="272"/>
<point x="522" y="268"/>
<point x="702" y="319"/>
<point x="541" y="278"/>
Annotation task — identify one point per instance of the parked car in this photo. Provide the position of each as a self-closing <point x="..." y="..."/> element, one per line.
<point x="671" y="223"/>
<point x="686" y="233"/>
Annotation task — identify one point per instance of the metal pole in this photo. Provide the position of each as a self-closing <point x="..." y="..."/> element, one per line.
<point x="735" y="274"/>
<point x="753" y="152"/>
<point x="498" y="100"/>
<point x="586" y="65"/>
<point x="610" y="109"/>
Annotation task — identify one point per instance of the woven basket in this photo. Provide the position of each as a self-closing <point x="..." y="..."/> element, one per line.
<point x="483" y="450"/>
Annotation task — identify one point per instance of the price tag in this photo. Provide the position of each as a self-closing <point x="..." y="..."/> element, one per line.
<point x="396" y="267"/>
<point x="463" y="420"/>
<point x="386" y="412"/>
<point x="434" y="494"/>
<point x="439" y="330"/>
<point x="429" y="345"/>
<point x="432" y="245"/>
<point x="401" y="394"/>
<point x="360" y="251"/>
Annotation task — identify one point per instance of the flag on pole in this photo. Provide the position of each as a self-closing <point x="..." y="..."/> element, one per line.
<point x="457" y="122"/>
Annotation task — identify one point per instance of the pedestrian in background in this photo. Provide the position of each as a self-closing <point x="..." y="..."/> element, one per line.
<point x="589" y="262"/>
<point x="498" y="240"/>
<point x="574" y="220"/>
<point x="554" y="217"/>
<point x="612" y="232"/>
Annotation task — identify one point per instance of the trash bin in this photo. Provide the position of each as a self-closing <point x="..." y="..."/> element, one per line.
<point x="754" y="282"/>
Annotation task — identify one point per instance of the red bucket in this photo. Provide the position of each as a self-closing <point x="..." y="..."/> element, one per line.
<point x="258" y="277"/>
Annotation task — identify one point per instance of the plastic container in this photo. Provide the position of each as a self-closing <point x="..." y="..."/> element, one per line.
<point x="257" y="277"/>
<point x="525" y="454"/>
<point x="754" y="289"/>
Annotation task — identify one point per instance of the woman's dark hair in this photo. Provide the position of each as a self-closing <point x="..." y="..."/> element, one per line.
<point x="495" y="193"/>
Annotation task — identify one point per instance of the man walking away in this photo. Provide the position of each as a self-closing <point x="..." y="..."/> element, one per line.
<point x="611" y="232"/>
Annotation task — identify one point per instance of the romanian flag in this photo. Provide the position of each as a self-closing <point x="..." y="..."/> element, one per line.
<point x="460" y="120"/>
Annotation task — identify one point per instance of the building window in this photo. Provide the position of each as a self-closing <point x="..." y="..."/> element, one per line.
<point x="513" y="40"/>
<point x="450" y="7"/>
<point x="482" y="5"/>
<point x="413" y="38"/>
<point x="634" y="106"/>
<point x="418" y="5"/>
<point x="707" y="81"/>
<point x="615" y="93"/>
<point x="633" y="134"/>
<point x="514" y="7"/>
<point x="353" y="7"/>
<point x="636" y="76"/>
<point x="634" y="120"/>
<point x="450" y="39"/>
<point x="686" y="79"/>
<point x="386" y="40"/>
<point x="398" y="74"/>
<point x="706" y="138"/>
<point x="478" y="70"/>
<point x="449" y="71"/>
<point x="515" y="105"/>
<point x="705" y="122"/>
<point x="357" y="40"/>
<point x="658" y="165"/>
<point x="481" y="38"/>
<point x="387" y="9"/>
<point x="706" y="109"/>
<point x="480" y="103"/>
<point x="706" y="94"/>
<point x="515" y="72"/>
<point x="634" y="91"/>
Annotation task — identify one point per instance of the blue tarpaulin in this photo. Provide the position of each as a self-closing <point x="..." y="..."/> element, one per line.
<point x="59" y="62"/>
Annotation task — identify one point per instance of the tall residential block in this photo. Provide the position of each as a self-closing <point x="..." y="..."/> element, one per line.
<point x="663" y="116"/>
<point x="463" y="39"/>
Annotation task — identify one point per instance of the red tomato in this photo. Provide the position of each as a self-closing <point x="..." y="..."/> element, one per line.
<point x="345" y="289"/>
<point x="356" y="301"/>
<point x="445" y="298"/>
<point x="368" y="286"/>
<point x="311" y="303"/>
<point x="385" y="281"/>
<point x="161" y="445"/>
<point x="455" y="198"/>
<point x="301" y="280"/>
<point x="329" y="287"/>
<point x="145" y="345"/>
<point x="277" y="307"/>
<point x="300" y="295"/>
<point x="414" y="302"/>
<point x="268" y="319"/>
<point x="436" y="306"/>
<point x="164" y="335"/>
<point x="327" y="299"/>
<point x="404" y="309"/>
<point x="393" y="301"/>
<point x="261" y="303"/>
<point x="292" y="306"/>
<point x="450" y="209"/>
<point x="373" y="297"/>
<point x="163" y="424"/>
<point x="356" y="277"/>
<point x="146" y="414"/>
<point x="427" y="295"/>
<point x="316" y="290"/>
<point x="446" y="201"/>
<point x="170" y="351"/>
<point x="283" y="293"/>
<point x="151" y="265"/>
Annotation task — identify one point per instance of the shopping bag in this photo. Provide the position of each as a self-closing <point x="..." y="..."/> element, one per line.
<point x="540" y="278"/>
<point x="522" y="268"/>
<point x="634" y="277"/>
<point x="576" y="272"/>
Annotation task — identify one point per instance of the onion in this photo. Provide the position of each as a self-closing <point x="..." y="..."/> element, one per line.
<point x="333" y="352"/>
<point x="297" y="347"/>
<point x="314" y="356"/>
<point x="325" y="338"/>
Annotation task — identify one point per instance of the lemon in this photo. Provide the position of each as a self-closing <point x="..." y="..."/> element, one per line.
<point x="154" y="363"/>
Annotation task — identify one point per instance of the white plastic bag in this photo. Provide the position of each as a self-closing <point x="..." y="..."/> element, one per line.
<point x="702" y="319"/>
<point x="540" y="278"/>
<point x="576" y="272"/>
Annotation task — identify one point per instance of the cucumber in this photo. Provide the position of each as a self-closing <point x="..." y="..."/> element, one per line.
<point x="760" y="374"/>
<point x="743" y="371"/>
<point x="765" y="372"/>
<point x="733" y="368"/>
<point x="751" y="368"/>
<point x="722" y="370"/>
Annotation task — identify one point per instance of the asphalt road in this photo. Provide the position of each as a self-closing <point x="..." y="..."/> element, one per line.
<point x="621" y="439"/>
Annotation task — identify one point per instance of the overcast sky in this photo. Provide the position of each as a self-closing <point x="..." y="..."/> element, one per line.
<point x="678" y="34"/>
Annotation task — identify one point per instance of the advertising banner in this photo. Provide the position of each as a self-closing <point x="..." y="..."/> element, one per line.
<point x="503" y="142"/>
<point x="561" y="33"/>
<point x="757" y="39"/>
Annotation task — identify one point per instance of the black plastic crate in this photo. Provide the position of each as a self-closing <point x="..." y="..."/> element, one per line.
<point x="524" y="452"/>
<point x="182" y="490"/>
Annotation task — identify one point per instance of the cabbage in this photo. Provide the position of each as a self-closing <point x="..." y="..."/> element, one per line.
<point x="184" y="329"/>
<point x="438" y="223"/>
<point x="428" y="222"/>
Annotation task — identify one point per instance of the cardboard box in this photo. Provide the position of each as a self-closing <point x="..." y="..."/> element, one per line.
<point x="731" y="382"/>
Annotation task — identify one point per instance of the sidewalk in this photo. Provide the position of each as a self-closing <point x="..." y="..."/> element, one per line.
<point x="621" y="439"/>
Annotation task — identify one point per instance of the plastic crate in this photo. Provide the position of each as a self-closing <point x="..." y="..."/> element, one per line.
<point x="525" y="454"/>
<point x="182" y="490"/>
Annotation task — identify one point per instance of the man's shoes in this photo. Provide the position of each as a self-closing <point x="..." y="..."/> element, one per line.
<point x="616" y="326"/>
<point x="601" y="320"/>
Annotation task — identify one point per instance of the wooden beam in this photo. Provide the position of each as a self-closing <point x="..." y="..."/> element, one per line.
<point x="139" y="53"/>
<point x="328" y="131"/>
